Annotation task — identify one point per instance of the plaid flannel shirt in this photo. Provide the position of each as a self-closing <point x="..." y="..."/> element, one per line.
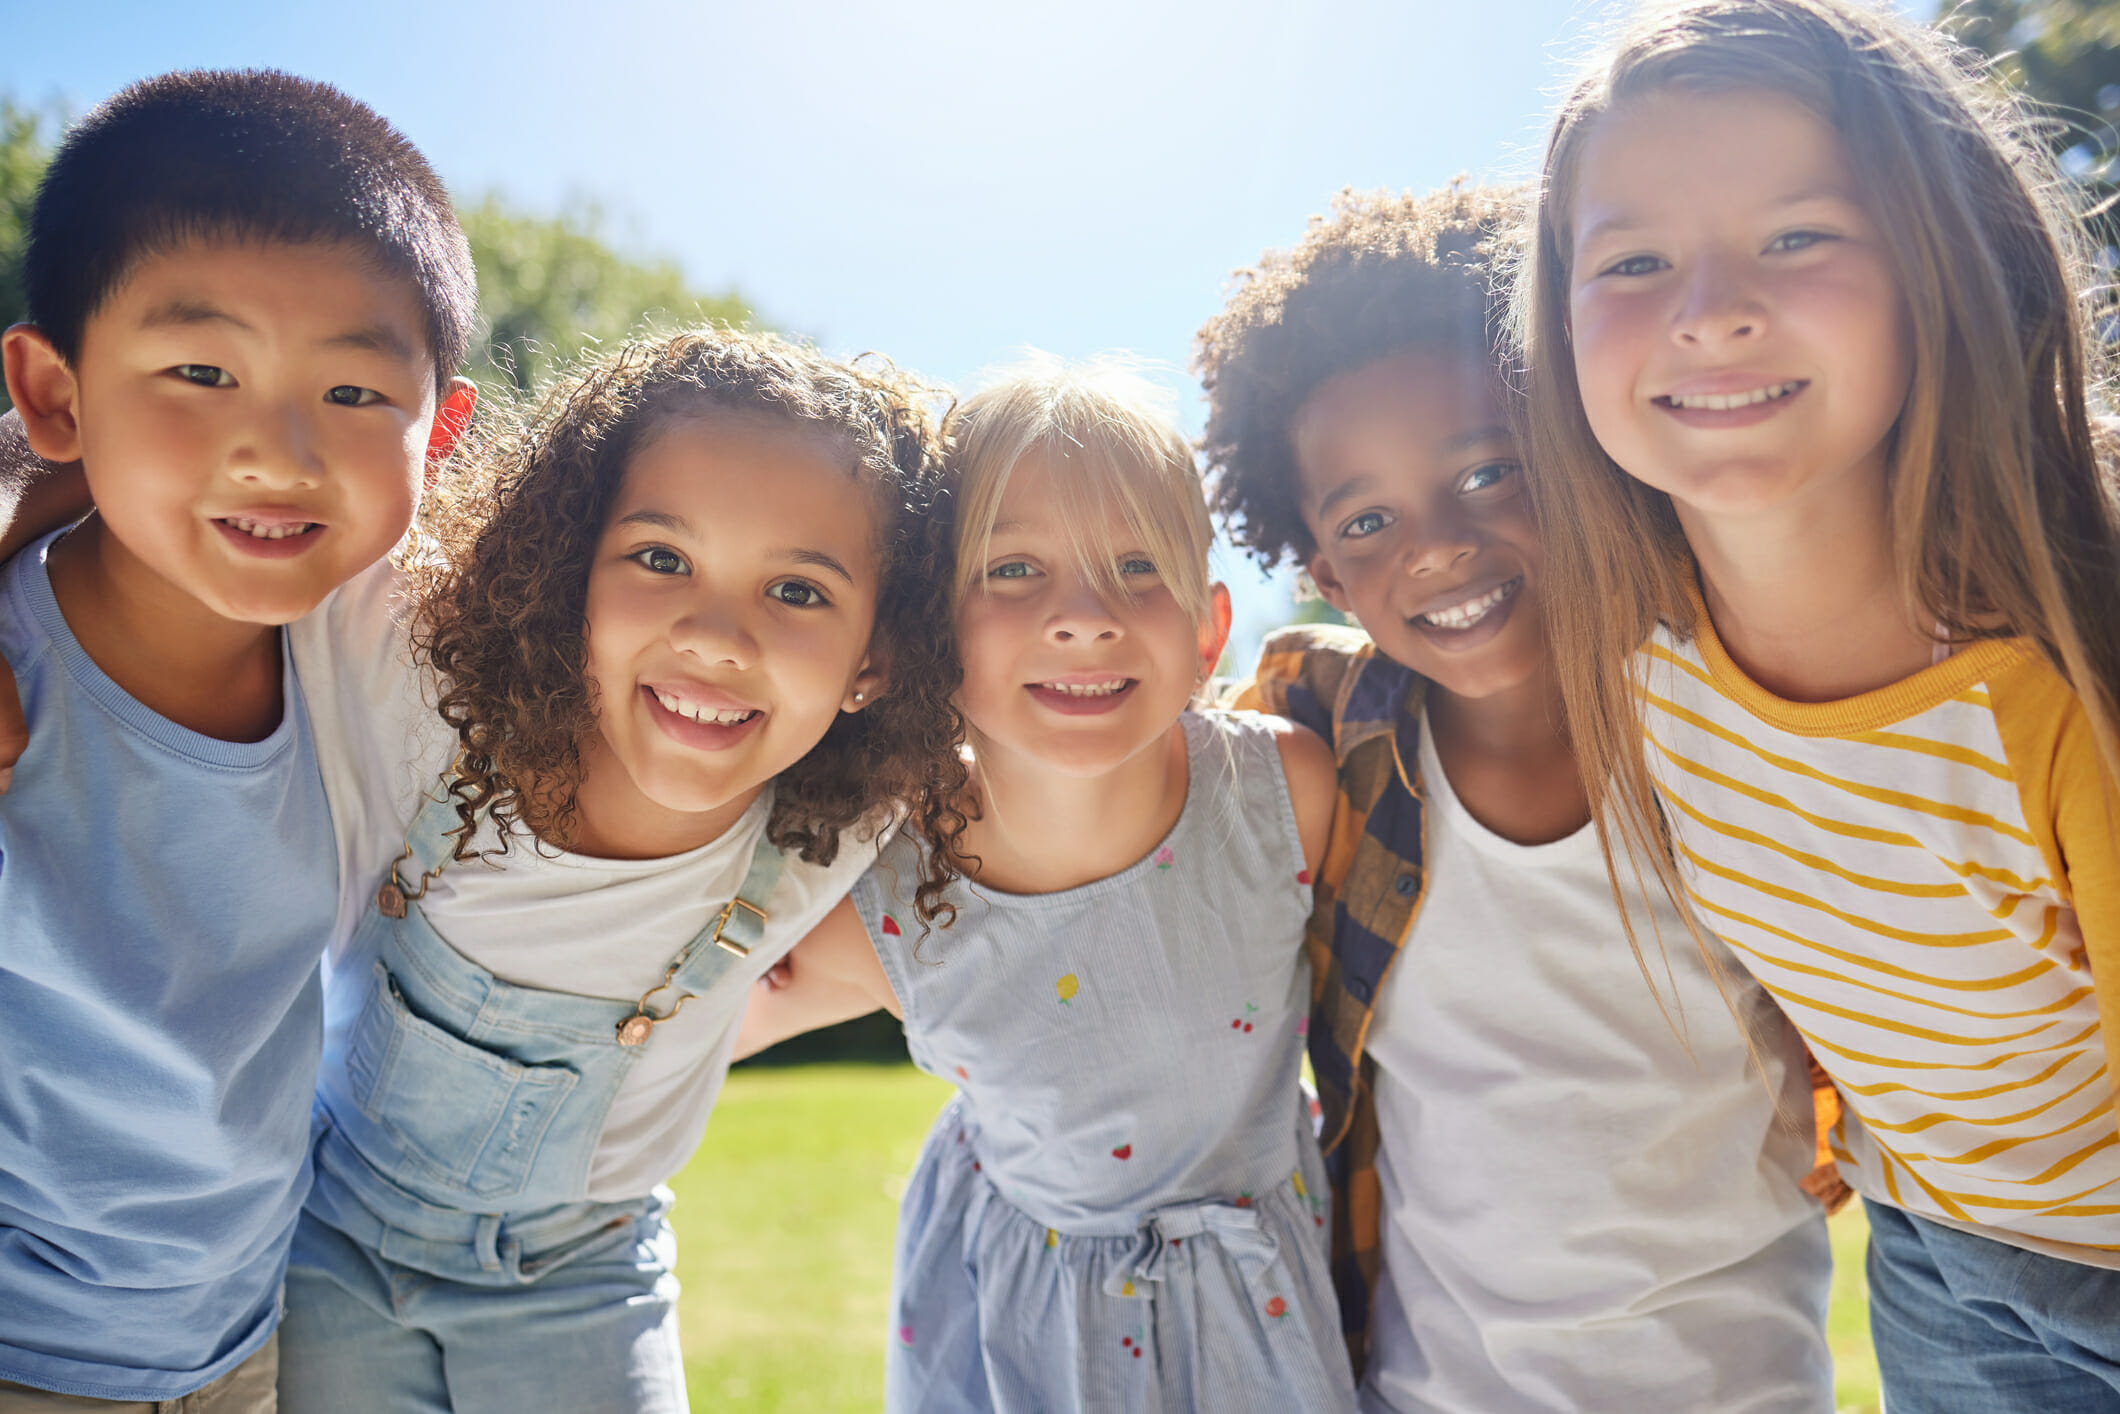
<point x="1368" y="709"/>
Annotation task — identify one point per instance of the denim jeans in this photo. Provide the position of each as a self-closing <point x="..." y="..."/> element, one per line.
<point x="1969" y="1325"/>
<point x="365" y="1335"/>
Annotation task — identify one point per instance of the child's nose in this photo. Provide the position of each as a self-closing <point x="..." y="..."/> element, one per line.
<point x="714" y="633"/>
<point x="278" y="452"/>
<point x="1717" y="304"/>
<point x="1440" y="542"/>
<point x="1083" y="616"/>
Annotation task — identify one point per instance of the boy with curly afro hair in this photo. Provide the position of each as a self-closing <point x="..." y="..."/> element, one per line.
<point x="1554" y="1186"/>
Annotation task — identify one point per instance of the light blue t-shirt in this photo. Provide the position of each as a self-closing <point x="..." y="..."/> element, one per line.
<point x="165" y="899"/>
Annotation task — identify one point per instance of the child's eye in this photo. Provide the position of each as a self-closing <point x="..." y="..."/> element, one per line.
<point x="205" y="375"/>
<point x="1137" y="564"/>
<point x="1635" y="265"/>
<point x="1486" y="475"/>
<point x="346" y="395"/>
<point x="797" y="594"/>
<point x="1797" y="240"/>
<point x="1366" y="524"/>
<point x="1011" y="569"/>
<point x="657" y="560"/>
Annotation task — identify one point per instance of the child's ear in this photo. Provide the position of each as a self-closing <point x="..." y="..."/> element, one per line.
<point x="44" y="392"/>
<point x="867" y="686"/>
<point x="1327" y="579"/>
<point x="1214" y="633"/>
<point x="451" y="417"/>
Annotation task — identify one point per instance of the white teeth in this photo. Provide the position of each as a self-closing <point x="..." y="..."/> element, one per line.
<point x="267" y="532"/>
<point x="1086" y="689"/>
<point x="720" y="717"/>
<point x="1470" y="612"/>
<point x="1723" y="402"/>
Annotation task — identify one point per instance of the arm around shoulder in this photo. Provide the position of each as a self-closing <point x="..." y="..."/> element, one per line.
<point x="36" y="495"/>
<point x="1313" y="787"/>
<point x="832" y="975"/>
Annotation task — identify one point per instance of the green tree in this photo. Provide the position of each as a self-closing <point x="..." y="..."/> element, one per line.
<point x="550" y="286"/>
<point x="23" y="153"/>
<point x="2065" y="56"/>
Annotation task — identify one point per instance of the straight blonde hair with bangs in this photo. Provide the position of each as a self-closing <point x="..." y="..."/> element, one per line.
<point x="1105" y="436"/>
<point x="2002" y="519"/>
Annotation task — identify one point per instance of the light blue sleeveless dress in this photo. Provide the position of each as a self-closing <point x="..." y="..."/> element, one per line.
<point x="1123" y="1207"/>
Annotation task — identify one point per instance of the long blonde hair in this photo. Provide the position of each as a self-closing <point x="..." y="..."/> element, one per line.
<point x="2003" y="522"/>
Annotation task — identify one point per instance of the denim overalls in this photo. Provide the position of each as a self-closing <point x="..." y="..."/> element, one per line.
<point x="448" y="1258"/>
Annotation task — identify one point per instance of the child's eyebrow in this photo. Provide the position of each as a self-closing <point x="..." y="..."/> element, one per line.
<point x="374" y="338"/>
<point x="661" y="520"/>
<point x="677" y="524"/>
<point x="1351" y="487"/>
<point x="179" y="312"/>
<point x="1465" y="441"/>
<point x="822" y="561"/>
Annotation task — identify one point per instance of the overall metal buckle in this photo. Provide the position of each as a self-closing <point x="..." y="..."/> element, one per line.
<point x="728" y="911"/>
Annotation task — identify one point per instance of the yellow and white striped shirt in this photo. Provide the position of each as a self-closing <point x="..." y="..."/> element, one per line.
<point x="1927" y="878"/>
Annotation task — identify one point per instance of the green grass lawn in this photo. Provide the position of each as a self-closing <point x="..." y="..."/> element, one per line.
<point x="784" y="1223"/>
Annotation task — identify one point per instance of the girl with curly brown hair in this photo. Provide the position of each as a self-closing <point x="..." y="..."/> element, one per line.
<point x="666" y="676"/>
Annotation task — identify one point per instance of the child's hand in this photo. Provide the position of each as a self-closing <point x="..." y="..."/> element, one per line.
<point x="14" y="731"/>
<point x="839" y="978"/>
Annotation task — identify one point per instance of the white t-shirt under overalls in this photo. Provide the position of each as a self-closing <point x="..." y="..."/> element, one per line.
<point x="561" y="922"/>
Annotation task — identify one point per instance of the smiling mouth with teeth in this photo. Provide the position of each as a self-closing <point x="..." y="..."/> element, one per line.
<point x="258" y="530"/>
<point x="1724" y="402"/>
<point x="1086" y="689"/>
<point x="715" y="716"/>
<point x="1465" y="615"/>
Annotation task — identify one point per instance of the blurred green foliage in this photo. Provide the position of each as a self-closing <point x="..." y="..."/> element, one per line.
<point x="25" y="146"/>
<point x="550" y="286"/>
<point x="2065" y="56"/>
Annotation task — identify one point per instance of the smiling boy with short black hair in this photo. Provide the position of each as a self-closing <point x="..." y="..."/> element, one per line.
<point x="249" y="296"/>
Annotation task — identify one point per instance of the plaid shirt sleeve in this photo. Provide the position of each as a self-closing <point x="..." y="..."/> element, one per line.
<point x="1333" y="681"/>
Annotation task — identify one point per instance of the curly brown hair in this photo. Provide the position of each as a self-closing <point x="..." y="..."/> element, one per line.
<point x="501" y="607"/>
<point x="1382" y="274"/>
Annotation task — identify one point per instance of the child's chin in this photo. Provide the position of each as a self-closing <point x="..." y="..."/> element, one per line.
<point x="265" y="611"/>
<point x="1495" y="666"/>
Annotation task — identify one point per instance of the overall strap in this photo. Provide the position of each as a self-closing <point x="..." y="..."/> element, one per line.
<point x="427" y="838"/>
<point x="428" y="850"/>
<point x="736" y="928"/>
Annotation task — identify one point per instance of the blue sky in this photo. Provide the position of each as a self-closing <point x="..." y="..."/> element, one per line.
<point x="943" y="180"/>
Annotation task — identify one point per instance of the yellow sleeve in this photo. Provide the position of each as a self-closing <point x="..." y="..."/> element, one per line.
<point x="2074" y="810"/>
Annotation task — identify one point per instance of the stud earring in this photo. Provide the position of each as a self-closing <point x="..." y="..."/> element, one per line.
<point x="861" y="697"/>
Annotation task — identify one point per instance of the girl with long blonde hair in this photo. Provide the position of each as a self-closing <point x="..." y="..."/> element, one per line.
<point x="1834" y="571"/>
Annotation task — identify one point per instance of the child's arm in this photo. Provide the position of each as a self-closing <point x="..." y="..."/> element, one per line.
<point x="832" y="975"/>
<point x="1313" y="789"/>
<point x="35" y="495"/>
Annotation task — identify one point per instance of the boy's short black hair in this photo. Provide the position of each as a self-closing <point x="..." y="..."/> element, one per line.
<point x="1381" y="275"/>
<point x="250" y="154"/>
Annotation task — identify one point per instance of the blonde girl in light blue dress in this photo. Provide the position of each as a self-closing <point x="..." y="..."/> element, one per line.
<point x="1122" y="1209"/>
